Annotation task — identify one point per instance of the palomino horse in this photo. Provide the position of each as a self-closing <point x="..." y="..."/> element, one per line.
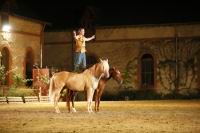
<point x="85" y="81"/>
<point x="114" y="73"/>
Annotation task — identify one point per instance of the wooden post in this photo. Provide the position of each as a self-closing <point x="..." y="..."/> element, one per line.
<point x="40" y="91"/>
<point x="41" y="45"/>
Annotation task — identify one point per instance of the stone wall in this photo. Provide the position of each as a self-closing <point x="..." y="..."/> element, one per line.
<point x="58" y="50"/>
<point x="174" y="69"/>
<point x="24" y="37"/>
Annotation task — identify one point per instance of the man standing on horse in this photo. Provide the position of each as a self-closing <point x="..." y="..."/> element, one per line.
<point x="80" y="56"/>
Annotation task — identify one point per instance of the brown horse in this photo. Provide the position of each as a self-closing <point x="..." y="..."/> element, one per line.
<point x="85" y="81"/>
<point x="114" y="73"/>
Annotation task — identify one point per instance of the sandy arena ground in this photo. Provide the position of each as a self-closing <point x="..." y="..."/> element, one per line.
<point x="172" y="116"/>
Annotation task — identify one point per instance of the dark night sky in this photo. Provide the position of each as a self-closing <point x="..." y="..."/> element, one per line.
<point x="64" y="15"/>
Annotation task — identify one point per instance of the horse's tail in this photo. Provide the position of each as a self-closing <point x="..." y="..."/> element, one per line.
<point x="51" y="85"/>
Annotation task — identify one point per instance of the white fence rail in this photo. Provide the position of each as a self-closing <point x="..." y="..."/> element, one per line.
<point x="25" y="99"/>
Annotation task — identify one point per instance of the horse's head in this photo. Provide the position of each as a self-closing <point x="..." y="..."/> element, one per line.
<point x="105" y="67"/>
<point x="116" y="75"/>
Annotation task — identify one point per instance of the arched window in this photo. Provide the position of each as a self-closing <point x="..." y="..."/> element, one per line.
<point x="198" y="67"/>
<point x="29" y="60"/>
<point x="147" y="71"/>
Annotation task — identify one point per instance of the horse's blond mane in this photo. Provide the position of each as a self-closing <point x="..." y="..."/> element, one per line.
<point x="94" y="70"/>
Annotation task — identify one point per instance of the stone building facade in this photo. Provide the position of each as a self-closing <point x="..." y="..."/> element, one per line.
<point x="162" y="58"/>
<point x="21" y="46"/>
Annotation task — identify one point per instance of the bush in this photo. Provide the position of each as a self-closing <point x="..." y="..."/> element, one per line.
<point x="108" y="96"/>
<point x="63" y="95"/>
<point x="18" y="80"/>
<point x="138" y="95"/>
<point x="80" y="96"/>
<point x="2" y="74"/>
<point x="1" y="92"/>
<point x="21" y="92"/>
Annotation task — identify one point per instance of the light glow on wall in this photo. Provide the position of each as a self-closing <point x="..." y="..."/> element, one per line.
<point x="6" y="28"/>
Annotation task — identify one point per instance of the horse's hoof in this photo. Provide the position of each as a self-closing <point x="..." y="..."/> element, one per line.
<point x="58" y="112"/>
<point x="90" y="112"/>
<point x="73" y="110"/>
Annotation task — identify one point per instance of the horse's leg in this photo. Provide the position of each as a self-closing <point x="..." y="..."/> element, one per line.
<point x="90" y="93"/>
<point x="96" y="98"/>
<point x="73" y="94"/>
<point x="56" y="98"/>
<point x="54" y="102"/>
<point x="68" y="99"/>
<point x="100" y="92"/>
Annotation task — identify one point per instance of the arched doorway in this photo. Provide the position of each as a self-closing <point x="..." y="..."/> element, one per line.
<point x="29" y="61"/>
<point x="198" y="67"/>
<point x="147" y="71"/>
<point x="5" y="62"/>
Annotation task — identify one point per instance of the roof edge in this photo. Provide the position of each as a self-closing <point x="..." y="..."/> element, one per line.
<point x="27" y="18"/>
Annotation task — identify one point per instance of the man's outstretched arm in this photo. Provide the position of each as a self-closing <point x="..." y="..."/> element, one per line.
<point x="90" y="38"/>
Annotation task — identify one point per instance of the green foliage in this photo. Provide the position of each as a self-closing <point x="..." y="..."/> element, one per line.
<point x="79" y="96"/>
<point x="188" y="93"/>
<point x="18" y="80"/>
<point x="1" y="92"/>
<point x="44" y="79"/>
<point x="167" y="62"/>
<point x="150" y="94"/>
<point x="2" y="74"/>
<point x="109" y="96"/>
<point x="129" y="73"/>
<point x="138" y="95"/>
<point x="21" y="92"/>
<point x="63" y="95"/>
